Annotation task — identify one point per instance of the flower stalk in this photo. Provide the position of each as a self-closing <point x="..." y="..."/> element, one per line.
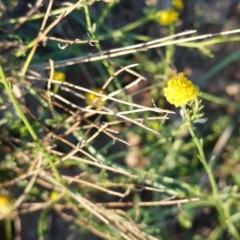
<point x="199" y="144"/>
<point x="180" y="91"/>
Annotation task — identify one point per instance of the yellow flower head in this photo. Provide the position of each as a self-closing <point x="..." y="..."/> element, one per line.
<point x="168" y="16"/>
<point x="93" y="99"/>
<point x="53" y="195"/>
<point x="180" y="90"/>
<point x="178" y="4"/>
<point x="5" y="204"/>
<point x="59" y="76"/>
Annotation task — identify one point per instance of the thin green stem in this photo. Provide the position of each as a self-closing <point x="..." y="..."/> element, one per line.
<point x="105" y="13"/>
<point x="167" y="61"/>
<point x="169" y="50"/>
<point x="14" y="101"/>
<point x="8" y="228"/>
<point x="21" y="114"/>
<point x="219" y="206"/>
<point x="121" y="31"/>
<point x="219" y="100"/>
<point x="199" y="144"/>
<point x="94" y="36"/>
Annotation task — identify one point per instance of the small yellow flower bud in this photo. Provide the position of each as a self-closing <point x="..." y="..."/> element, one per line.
<point x="53" y="195"/>
<point x="5" y="204"/>
<point x="178" y="4"/>
<point x="93" y="99"/>
<point x="59" y="76"/>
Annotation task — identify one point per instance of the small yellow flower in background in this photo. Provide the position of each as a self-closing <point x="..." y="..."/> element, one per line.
<point x="168" y="16"/>
<point x="180" y="90"/>
<point x="93" y="99"/>
<point x="177" y="4"/>
<point x="59" y="76"/>
<point x="4" y="199"/>
<point x="53" y="195"/>
<point x="5" y="204"/>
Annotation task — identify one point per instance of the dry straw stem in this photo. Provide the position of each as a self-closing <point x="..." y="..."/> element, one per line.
<point x="129" y="186"/>
<point x="30" y="12"/>
<point x="110" y="111"/>
<point x="45" y="176"/>
<point x="33" y="172"/>
<point x="36" y="164"/>
<point x="109" y="217"/>
<point x="38" y="39"/>
<point x="107" y="111"/>
<point x="134" y="48"/>
<point x="95" y="163"/>
<point x="75" y="147"/>
<point x="83" y="223"/>
<point x="127" y="229"/>
<point x="23" y="19"/>
<point x="67" y="42"/>
<point x="31" y="207"/>
<point x="43" y="33"/>
<point x="124" y="225"/>
<point x="95" y="186"/>
<point x="51" y="63"/>
<point x="148" y="204"/>
<point x="89" y="206"/>
<point x="125" y="68"/>
<point x="103" y="127"/>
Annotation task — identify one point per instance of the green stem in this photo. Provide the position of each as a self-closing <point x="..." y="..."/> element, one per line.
<point x="167" y="61"/>
<point x="169" y="50"/>
<point x="21" y="114"/>
<point x="8" y="228"/>
<point x="94" y="36"/>
<point x="14" y="101"/>
<point x="199" y="144"/>
<point x="133" y="25"/>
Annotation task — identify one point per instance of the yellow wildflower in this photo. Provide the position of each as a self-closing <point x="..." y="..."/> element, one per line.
<point x="4" y="199"/>
<point x="53" y="195"/>
<point x="5" y="204"/>
<point x="180" y="90"/>
<point x="177" y="4"/>
<point x="93" y="99"/>
<point x="168" y="16"/>
<point x="59" y="76"/>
